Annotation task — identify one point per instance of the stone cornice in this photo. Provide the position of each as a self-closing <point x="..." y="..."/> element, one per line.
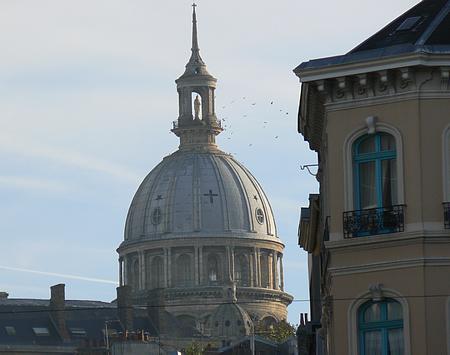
<point x="361" y="67"/>
<point x="387" y="241"/>
<point x="191" y="240"/>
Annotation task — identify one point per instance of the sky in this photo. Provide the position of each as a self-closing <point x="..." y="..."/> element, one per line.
<point x="87" y="99"/>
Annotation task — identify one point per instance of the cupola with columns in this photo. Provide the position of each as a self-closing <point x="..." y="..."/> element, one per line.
<point x="197" y="123"/>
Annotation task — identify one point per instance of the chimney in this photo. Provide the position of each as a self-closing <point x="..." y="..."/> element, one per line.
<point x="4" y="295"/>
<point x="57" y="307"/>
<point x="124" y="307"/>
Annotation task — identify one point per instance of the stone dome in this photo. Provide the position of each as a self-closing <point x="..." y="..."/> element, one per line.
<point x="230" y="320"/>
<point x="199" y="193"/>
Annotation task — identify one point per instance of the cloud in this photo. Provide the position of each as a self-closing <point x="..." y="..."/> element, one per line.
<point x="20" y="182"/>
<point x="73" y="159"/>
<point x="64" y="276"/>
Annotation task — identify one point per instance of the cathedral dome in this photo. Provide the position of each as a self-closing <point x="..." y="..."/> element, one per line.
<point x="199" y="193"/>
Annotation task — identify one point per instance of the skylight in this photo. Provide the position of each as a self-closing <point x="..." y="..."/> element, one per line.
<point x="41" y="331"/>
<point x="78" y="332"/>
<point x="409" y="23"/>
<point x="10" y="330"/>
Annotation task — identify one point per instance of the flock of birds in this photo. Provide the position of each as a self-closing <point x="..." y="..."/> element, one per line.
<point x="228" y="127"/>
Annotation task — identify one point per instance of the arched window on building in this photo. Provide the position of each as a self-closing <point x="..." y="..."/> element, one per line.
<point x="375" y="187"/>
<point x="184" y="270"/>
<point x="157" y="272"/>
<point x="212" y="269"/>
<point x="241" y="270"/>
<point x="375" y="171"/>
<point x="380" y="326"/>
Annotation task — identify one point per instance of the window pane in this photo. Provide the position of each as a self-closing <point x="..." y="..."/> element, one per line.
<point x="395" y="340"/>
<point x="394" y="311"/>
<point x="367" y="185"/>
<point x="367" y="145"/>
<point x="372" y="343"/>
<point x="389" y="182"/>
<point x="387" y="142"/>
<point x="373" y="313"/>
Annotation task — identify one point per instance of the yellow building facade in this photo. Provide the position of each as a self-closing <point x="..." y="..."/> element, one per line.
<point x="378" y="234"/>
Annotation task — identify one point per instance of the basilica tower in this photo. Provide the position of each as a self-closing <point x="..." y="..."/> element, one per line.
<point x="200" y="232"/>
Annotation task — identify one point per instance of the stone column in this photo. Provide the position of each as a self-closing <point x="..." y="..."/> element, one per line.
<point x="196" y="266"/>
<point x="120" y="272"/>
<point x="141" y="258"/>
<point x="281" y="273"/>
<point x="252" y="264"/>
<point x="271" y="268"/>
<point x="228" y="264"/>
<point x="165" y="267"/>
<point x="169" y="267"/>
<point x="258" y="267"/>
<point x="276" y="285"/>
<point x="125" y="271"/>
<point x="232" y="263"/>
<point x="200" y="266"/>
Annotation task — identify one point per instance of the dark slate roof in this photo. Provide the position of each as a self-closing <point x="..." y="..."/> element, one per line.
<point x="85" y="320"/>
<point x="425" y="28"/>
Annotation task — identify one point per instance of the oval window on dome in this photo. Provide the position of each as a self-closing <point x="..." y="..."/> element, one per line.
<point x="260" y="215"/>
<point x="156" y="216"/>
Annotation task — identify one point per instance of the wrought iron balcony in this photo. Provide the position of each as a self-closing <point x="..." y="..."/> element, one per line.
<point x="447" y="215"/>
<point x="374" y="221"/>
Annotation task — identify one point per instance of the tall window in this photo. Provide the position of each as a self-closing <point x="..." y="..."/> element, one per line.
<point x="184" y="272"/>
<point x="381" y="328"/>
<point x="213" y="269"/>
<point x="157" y="272"/>
<point x="374" y="158"/>
<point x="241" y="273"/>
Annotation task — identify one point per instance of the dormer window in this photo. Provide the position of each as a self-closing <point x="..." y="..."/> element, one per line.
<point x="10" y="330"/>
<point x="41" y="331"/>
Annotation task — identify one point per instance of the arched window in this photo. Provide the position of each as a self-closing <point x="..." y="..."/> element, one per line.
<point x="157" y="272"/>
<point x="241" y="274"/>
<point x="212" y="269"/>
<point x="375" y="170"/>
<point x="380" y="326"/>
<point x="184" y="270"/>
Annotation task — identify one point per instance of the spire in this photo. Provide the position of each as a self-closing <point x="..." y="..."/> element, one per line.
<point x="196" y="65"/>
<point x="195" y="49"/>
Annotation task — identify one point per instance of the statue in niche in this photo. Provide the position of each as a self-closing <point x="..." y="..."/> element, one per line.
<point x="197" y="106"/>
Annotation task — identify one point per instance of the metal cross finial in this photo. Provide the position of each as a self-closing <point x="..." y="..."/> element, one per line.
<point x="194" y="5"/>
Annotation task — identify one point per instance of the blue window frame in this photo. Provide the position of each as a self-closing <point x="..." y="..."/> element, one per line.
<point x="380" y="327"/>
<point x="375" y="170"/>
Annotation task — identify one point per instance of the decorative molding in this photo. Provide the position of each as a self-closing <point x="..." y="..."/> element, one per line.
<point x="376" y="291"/>
<point x="389" y="265"/>
<point x="371" y="122"/>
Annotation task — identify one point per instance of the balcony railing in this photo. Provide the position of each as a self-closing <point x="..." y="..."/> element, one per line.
<point x="374" y="221"/>
<point x="447" y="215"/>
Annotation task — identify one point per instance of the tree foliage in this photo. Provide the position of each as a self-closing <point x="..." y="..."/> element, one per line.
<point x="194" y="349"/>
<point x="278" y="332"/>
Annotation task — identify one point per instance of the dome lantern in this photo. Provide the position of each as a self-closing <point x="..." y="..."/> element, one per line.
<point x="197" y="124"/>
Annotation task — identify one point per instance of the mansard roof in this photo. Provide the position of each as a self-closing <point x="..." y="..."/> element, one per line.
<point x="423" y="29"/>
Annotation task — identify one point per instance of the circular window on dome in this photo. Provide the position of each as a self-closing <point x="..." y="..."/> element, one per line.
<point x="156" y="216"/>
<point x="260" y="215"/>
